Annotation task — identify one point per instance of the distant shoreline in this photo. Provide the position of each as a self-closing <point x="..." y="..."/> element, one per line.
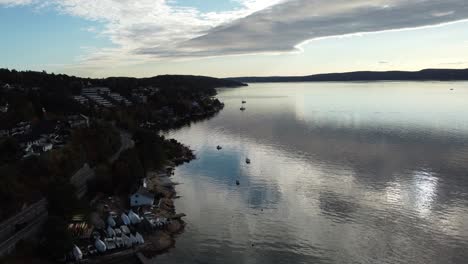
<point x="441" y="75"/>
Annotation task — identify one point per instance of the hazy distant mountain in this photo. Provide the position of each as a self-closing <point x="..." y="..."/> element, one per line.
<point x="424" y="75"/>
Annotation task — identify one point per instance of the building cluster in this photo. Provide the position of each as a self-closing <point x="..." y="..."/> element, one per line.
<point x="46" y="135"/>
<point x="140" y="95"/>
<point x="20" y="129"/>
<point x="102" y="97"/>
<point x="8" y="87"/>
<point x="96" y="95"/>
<point x="120" y="99"/>
<point x="117" y="230"/>
<point x="81" y="99"/>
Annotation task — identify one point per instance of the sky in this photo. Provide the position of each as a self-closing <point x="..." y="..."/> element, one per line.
<point x="228" y="38"/>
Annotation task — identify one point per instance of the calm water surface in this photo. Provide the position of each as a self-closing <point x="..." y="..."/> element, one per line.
<point x="340" y="173"/>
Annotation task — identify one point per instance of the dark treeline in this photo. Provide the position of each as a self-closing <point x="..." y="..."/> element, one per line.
<point x="36" y="91"/>
<point x="24" y="181"/>
<point x="67" y="85"/>
<point x="423" y="75"/>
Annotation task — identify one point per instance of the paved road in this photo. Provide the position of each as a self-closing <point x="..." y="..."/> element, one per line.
<point x="126" y="143"/>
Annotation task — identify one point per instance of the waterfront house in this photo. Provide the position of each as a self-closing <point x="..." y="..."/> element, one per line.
<point x="142" y="197"/>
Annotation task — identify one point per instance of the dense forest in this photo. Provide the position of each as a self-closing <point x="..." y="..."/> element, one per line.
<point x="61" y="84"/>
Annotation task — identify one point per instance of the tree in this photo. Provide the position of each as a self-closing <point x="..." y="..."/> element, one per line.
<point x="9" y="150"/>
<point x="57" y="239"/>
<point x="61" y="198"/>
<point x="126" y="171"/>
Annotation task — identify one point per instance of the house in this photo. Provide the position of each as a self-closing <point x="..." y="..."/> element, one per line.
<point x="7" y="87"/>
<point x="117" y="98"/>
<point x="140" y="98"/>
<point x="80" y="99"/>
<point x="78" y="121"/>
<point x="142" y="197"/>
<point x="4" y="133"/>
<point x="4" y="108"/>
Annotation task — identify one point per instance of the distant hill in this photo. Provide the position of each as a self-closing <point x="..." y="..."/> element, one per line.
<point x="71" y="84"/>
<point x="423" y="75"/>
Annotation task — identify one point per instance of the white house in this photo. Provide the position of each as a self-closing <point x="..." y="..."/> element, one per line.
<point x="142" y="197"/>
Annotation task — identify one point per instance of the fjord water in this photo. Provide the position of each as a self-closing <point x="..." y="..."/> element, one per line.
<point x="341" y="173"/>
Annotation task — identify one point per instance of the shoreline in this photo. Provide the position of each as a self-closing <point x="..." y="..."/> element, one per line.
<point x="157" y="242"/>
<point x="161" y="184"/>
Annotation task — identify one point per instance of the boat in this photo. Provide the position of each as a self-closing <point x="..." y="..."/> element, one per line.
<point x="237" y="182"/>
<point x="244" y="101"/>
<point x="110" y="232"/>
<point x="125" y="230"/>
<point x="110" y="221"/>
<point x="247" y="161"/>
<point x="242" y="108"/>
<point x="219" y="147"/>
<point x="139" y="238"/>
<point x="134" y="218"/>
<point x="125" y="219"/>
<point x="126" y="241"/>
<point x="100" y="246"/>
<point x="133" y="239"/>
<point x="77" y="254"/>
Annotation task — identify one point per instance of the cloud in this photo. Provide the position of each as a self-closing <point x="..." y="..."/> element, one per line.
<point x="148" y="30"/>
<point x="139" y="24"/>
<point x="284" y="26"/>
<point x="454" y="63"/>
<point x="15" y="2"/>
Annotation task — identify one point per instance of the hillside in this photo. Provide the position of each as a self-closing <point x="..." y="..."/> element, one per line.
<point x="423" y="75"/>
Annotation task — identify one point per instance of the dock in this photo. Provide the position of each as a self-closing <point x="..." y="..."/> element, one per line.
<point x="178" y="216"/>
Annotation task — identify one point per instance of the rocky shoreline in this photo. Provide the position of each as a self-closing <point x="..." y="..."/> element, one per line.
<point x="161" y="184"/>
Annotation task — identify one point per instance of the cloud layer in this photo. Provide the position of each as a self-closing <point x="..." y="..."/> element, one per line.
<point x="146" y="30"/>
<point x="282" y="27"/>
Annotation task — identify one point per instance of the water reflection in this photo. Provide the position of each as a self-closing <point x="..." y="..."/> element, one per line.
<point x="340" y="173"/>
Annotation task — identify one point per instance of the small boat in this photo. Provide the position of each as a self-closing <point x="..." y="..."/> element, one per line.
<point x="77" y="254"/>
<point x="237" y="182"/>
<point x="242" y="108"/>
<point x="219" y="147"/>
<point x="100" y="246"/>
<point x="244" y="101"/>
<point x="247" y="161"/>
<point x="110" y="221"/>
<point x="125" y="219"/>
